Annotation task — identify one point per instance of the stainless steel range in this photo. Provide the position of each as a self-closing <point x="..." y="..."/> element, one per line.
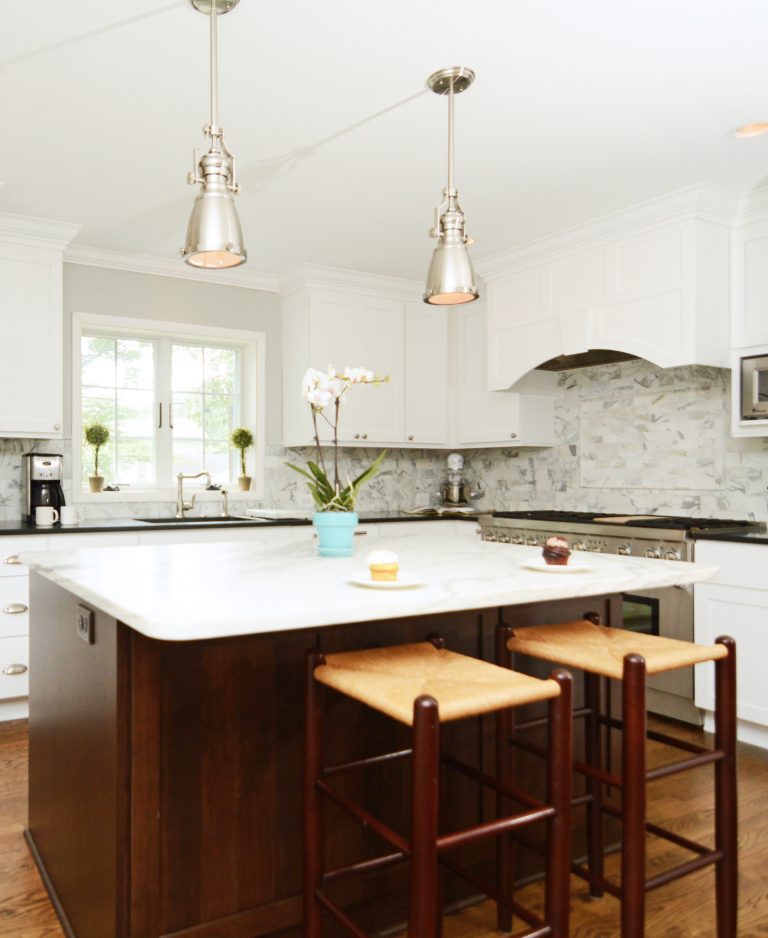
<point x="666" y="611"/>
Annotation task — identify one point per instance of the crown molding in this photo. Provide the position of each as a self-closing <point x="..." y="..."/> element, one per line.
<point x="165" y="267"/>
<point x="36" y="232"/>
<point x="703" y="201"/>
<point x="754" y="206"/>
<point x="339" y="278"/>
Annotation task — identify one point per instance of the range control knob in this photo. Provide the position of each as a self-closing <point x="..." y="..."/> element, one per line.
<point x="517" y="539"/>
<point x="624" y="549"/>
<point x="671" y="554"/>
<point x="490" y="536"/>
<point x="652" y="552"/>
<point x="532" y="541"/>
<point x="503" y="539"/>
<point x="578" y="545"/>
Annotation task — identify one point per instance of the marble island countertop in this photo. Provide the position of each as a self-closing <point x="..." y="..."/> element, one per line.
<point x="189" y="592"/>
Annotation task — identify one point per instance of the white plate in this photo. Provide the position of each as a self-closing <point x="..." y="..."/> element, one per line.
<point x="403" y="581"/>
<point x="577" y="566"/>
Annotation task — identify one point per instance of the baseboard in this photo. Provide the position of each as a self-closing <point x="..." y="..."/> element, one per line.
<point x="15" y="709"/>
<point x="746" y="732"/>
<point x="62" y="915"/>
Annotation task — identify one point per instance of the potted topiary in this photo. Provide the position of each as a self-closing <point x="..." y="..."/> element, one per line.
<point x="242" y="439"/>
<point x="96" y="435"/>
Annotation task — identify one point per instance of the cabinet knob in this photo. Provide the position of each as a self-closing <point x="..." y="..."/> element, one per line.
<point x="12" y="669"/>
<point x="15" y="609"/>
<point x="357" y="436"/>
<point x="13" y="559"/>
<point x="411" y="437"/>
<point x="365" y="436"/>
<point x="57" y="426"/>
<point x="513" y="436"/>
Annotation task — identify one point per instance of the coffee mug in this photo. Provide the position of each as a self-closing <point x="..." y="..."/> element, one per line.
<point x="69" y="514"/>
<point x="45" y="516"/>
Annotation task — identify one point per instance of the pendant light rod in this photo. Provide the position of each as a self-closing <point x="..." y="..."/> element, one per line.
<point x="450" y="135"/>
<point x="214" y="61"/>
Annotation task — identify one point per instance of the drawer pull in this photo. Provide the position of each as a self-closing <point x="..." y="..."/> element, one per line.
<point x="13" y="669"/>
<point x="15" y="609"/>
<point x="13" y="559"/>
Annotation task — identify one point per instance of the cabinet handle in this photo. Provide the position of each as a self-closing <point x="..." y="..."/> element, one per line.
<point x="513" y="436"/>
<point x="365" y="436"/>
<point x="357" y="436"/>
<point x="15" y="609"/>
<point x="13" y="559"/>
<point x="12" y="669"/>
<point x="57" y="426"/>
<point x="160" y="415"/>
<point x="411" y="437"/>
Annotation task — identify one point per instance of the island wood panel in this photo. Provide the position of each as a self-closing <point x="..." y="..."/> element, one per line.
<point x="194" y="821"/>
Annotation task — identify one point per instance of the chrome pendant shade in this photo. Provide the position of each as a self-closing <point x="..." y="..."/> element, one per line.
<point x="214" y="238"/>
<point x="451" y="279"/>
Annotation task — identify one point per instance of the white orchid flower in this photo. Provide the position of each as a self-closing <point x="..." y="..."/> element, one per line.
<point x="358" y="375"/>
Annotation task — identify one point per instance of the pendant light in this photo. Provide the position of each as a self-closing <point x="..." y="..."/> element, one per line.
<point x="214" y="238"/>
<point x="451" y="279"/>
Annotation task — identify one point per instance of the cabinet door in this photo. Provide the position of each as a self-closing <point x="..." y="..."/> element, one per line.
<point x="356" y="330"/>
<point x="743" y="614"/>
<point x="749" y="305"/>
<point x="426" y="374"/>
<point x="31" y="350"/>
<point x="481" y="416"/>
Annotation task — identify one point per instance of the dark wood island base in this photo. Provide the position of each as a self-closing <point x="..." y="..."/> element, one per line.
<point x="165" y="778"/>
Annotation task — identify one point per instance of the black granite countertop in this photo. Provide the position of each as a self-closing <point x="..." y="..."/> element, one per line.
<point x="748" y="537"/>
<point x="137" y="524"/>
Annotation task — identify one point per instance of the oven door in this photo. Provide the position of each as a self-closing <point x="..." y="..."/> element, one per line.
<point x="667" y="612"/>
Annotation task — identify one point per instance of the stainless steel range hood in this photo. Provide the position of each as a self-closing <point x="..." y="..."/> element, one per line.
<point x="594" y="356"/>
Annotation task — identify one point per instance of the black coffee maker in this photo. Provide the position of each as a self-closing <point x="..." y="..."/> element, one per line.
<point x="41" y="483"/>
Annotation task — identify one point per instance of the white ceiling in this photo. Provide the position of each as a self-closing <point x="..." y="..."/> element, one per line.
<point x="580" y="107"/>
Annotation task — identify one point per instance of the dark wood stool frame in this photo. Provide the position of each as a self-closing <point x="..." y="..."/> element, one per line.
<point x="427" y="848"/>
<point x="632" y="783"/>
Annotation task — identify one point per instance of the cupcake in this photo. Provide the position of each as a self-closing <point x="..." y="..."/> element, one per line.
<point x="383" y="565"/>
<point x="556" y="551"/>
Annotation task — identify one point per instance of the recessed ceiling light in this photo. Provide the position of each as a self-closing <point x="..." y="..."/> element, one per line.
<point x="752" y="130"/>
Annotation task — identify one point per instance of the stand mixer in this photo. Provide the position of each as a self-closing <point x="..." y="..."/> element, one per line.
<point x="455" y="490"/>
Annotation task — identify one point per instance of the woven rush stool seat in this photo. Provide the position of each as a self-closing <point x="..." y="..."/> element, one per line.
<point x="605" y="654"/>
<point x="423" y="685"/>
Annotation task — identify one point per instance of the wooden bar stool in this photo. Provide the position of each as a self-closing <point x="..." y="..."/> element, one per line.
<point x="423" y="685"/>
<point x="618" y="654"/>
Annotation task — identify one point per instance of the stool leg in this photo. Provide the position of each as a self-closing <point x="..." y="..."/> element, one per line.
<point x="559" y="784"/>
<point x="726" y="808"/>
<point x="595" y="847"/>
<point x="505" y="772"/>
<point x="633" y="798"/>
<point x="424" y="821"/>
<point x="313" y="809"/>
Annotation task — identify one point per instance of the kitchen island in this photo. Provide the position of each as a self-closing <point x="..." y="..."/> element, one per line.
<point x="165" y="734"/>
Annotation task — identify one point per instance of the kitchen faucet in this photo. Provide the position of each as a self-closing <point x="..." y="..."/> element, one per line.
<point x="181" y="505"/>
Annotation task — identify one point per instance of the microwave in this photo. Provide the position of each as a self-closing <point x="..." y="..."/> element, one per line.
<point x="754" y="387"/>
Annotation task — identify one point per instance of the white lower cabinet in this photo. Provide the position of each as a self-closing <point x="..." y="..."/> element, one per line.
<point x="14" y="624"/>
<point x="735" y="603"/>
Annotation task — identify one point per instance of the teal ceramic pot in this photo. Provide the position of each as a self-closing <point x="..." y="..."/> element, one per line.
<point x="335" y="532"/>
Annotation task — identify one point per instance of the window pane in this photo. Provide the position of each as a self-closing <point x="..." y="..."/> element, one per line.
<point x="135" y="364"/>
<point x="187" y="368"/>
<point x="219" y="416"/>
<point x="217" y="461"/>
<point x="220" y="370"/>
<point x="135" y="413"/>
<point x="188" y="456"/>
<point x="98" y="356"/>
<point x="135" y="462"/>
<point x="187" y="415"/>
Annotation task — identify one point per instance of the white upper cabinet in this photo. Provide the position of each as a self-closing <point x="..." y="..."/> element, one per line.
<point x="426" y="374"/>
<point x="435" y="357"/>
<point x="32" y="349"/>
<point x="749" y="287"/>
<point x="652" y="281"/>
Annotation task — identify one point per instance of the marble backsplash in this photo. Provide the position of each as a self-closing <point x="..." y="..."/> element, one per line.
<point x="631" y="437"/>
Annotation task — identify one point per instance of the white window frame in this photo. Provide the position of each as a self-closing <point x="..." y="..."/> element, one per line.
<point x="252" y="376"/>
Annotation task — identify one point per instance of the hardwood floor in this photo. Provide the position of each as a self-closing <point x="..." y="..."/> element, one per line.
<point x="684" y="909"/>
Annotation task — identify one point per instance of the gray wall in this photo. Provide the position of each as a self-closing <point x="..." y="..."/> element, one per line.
<point x="146" y="296"/>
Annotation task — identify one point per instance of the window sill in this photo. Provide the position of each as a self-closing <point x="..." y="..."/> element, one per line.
<point x="162" y="495"/>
